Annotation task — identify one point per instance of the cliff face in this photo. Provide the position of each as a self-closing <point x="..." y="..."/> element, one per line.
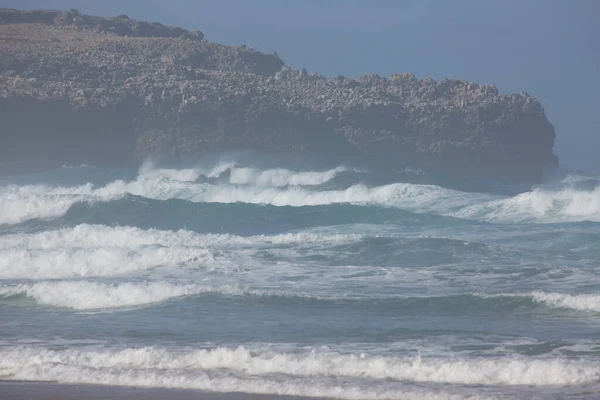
<point x="78" y="89"/>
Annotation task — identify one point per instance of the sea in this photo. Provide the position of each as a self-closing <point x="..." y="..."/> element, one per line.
<point x="341" y="282"/>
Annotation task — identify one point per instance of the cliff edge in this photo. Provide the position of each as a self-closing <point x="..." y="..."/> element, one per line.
<point x="114" y="91"/>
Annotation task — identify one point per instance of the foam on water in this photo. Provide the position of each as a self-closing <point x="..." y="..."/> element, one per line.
<point x="421" y="307"/>
<point x="275" y="177"/>
<point x="82" y="295"/>
<point x="539" y="205"/>
<point x="281" y="177"/>
<point x="271" y="187"/>
<point x="97" y="250"/>
<point x="87" y="262"/>
<point x="213" y="381"/>
<point x="149" y="171"/>
<point x="86" y="236"/>
<point x="281" y="187"/>
<point x="28" y="363"/>
<point x="86" y="295"/>
<point x="21" y="203"/>
<point x="420" y="198"/>
<point x="580" y="302"/>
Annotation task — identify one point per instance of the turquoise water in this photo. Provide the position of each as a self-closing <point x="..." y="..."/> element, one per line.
<point x="319" y="282"/>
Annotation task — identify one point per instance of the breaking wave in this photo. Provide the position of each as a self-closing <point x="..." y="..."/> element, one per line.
<point x="539" y="205"/>
<point x="30" y="202"/>
<point x="238" y="175"/>
<point x="97" y="250"/>
<point x="86" y="235"/>
<point x="81" y="295"/>
<point x="580" y="302"/>
<point x="206" y="369"/>
<point x="281" y="187"/>
<point x="88" y="295"/>
<point x="22" y="203"/>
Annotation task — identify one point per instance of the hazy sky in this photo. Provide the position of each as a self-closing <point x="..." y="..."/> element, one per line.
<point x="548" y="48"/>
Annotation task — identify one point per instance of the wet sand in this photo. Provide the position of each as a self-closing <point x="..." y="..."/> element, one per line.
<point x="34" y="390"/>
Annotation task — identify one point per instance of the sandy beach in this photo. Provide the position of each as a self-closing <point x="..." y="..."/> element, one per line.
<point x="35" y="390"/>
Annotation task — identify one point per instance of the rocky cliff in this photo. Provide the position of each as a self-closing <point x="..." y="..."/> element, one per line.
<point x="113" y="91"/>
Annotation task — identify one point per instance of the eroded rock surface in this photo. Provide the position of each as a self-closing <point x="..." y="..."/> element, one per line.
<point x="113" y="91"/>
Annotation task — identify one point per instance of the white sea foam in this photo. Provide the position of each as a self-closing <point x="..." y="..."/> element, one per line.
<point x="539" y="205"/>
<point x="400" y="194"/>
<point x="281" y="187"/>
<point x="97" y="250"/>
<point x="89" y="236"/>
<point x="40" y="364"/>
<point x="575" y="179"/>
<point x="21" y="203"/>
<point x="580" y="302"/>
<point x="87" y="295"/>
<point x="243" y="175"/>
<point x="69" y="367"/>
<point x="83" y="295"/>
<point x="281" y="177"/>
<point x="86" y="262"/>
<point x="149" y="171"/>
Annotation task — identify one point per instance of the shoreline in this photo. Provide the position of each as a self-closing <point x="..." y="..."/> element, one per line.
<point x="50" y="390"/>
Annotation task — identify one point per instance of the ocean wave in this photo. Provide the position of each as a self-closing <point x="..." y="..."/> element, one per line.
<point x="82" y="295"/>
<point x="65" y="368"/>
<point x="89" y="262"/>
<point x="539" y="205"/>
<point x="238" y="175"/>
<point x="579" y="302"/>
<point x="97" y="250"/>
<point x="279" y="187"/>
<point x="92" y="295"/>
<point x="30" y="202"/>
<point x="412" y="197"/>
<point x="86" y="295"/>
<point x="86" y="236"/>
<point x="281" y="177"/>
<point x="26" y="202"/>
<point x="248" y="364"/>
<point x="21" y="203"/>
<point x="148" y="171"/>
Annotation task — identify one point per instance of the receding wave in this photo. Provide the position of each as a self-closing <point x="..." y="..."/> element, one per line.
<point x="211" y="368"/>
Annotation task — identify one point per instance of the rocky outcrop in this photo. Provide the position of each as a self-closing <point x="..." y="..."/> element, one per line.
<point x="84" y="92"/>
<point x="121" y="25"/>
